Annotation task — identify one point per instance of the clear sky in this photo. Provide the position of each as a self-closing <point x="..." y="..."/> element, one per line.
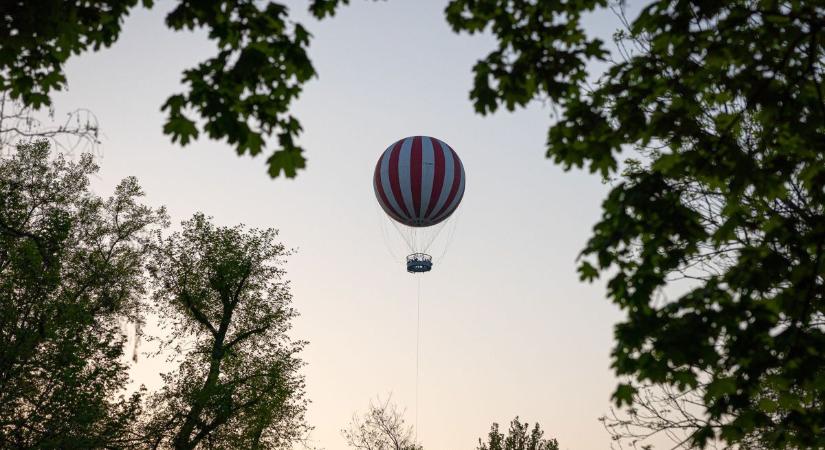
<point x="506" y="327"/>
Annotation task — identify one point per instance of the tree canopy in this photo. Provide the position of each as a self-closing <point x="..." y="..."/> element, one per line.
<point x="382" y="427"/>
<point x="222" y="292"/>
<point x="519" y="437"/>
<point x="75" y="267"/>
<point x="241" y="95"/>
<point x="71" y="270"/>
<point x="721" y="105"/>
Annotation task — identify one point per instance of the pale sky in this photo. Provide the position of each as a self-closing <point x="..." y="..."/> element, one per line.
<point x="506" y="327"/>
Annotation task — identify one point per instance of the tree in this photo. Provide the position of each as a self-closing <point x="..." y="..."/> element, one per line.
<point x="665" y="411"/>
<point x="382" y="427"/>
<point x="18" y="124"/>
<point x="242" y="94"/>
<point x="71" y="270"/>
<point x="222" y="292"/>
<point x="723" y="104"/>
<point x="519" y="437"/>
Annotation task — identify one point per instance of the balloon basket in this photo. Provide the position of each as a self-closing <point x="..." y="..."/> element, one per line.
<point x="419" y="262"/>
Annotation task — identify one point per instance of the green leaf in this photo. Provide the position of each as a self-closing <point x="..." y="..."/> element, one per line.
<point x="623" y="395"/>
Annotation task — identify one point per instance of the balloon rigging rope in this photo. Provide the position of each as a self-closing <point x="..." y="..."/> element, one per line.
<point x="403" y="234"/>
<point x="453" y="225"/>
<point x="385" y="233"/>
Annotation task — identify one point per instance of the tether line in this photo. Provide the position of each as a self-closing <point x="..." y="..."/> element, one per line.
<point x="417" y="352"/>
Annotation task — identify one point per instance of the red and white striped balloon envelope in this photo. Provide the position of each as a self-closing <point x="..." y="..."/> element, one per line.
<point x="419" y="181"/>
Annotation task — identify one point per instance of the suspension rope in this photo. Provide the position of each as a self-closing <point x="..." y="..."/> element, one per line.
<point x="453" y="225"/>
<point x="382" y="221"/>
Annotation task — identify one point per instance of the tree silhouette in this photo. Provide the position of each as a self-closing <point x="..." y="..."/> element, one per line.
<point x="222" y="292"/>
<point x="519" y="437"/>
<point x="71" y="270"/>
<point x="241" y="95"/>
<point x="382" y="427"/>
<point x="722" y="103"/>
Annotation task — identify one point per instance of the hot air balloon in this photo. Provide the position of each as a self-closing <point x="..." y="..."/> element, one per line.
<point x="419" y="183"/>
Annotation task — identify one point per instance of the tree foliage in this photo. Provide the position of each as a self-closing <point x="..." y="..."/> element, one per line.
<point x="241" y="95"/>
<point x="519" y="437"/>
<point x="71" y="270"/>
<point x="723" y="101"/>
<point x="222" y="292"/>
<point x="382" y="427"/>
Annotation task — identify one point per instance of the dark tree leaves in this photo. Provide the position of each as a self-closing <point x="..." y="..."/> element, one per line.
<point x="723" y="104"/>
<point x="542" y="49"/>
<point x="71" y="270"/>
<point x="519" y="437"/>
<point x="241" y="95"/>
<point x="238" y="383"/>
<point x="37" y="36"/>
